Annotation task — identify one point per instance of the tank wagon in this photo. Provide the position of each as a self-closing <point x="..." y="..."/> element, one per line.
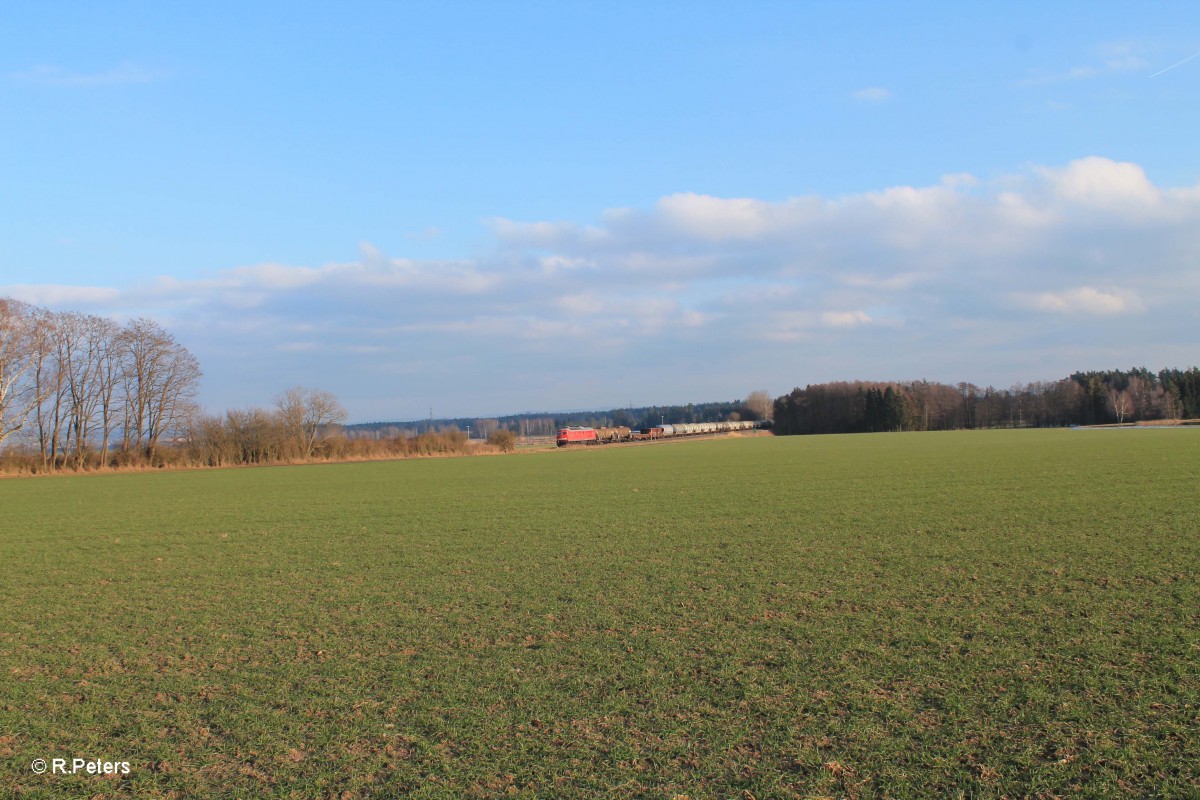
<point x="579" y="435"/>
<point x="618" y="434"/>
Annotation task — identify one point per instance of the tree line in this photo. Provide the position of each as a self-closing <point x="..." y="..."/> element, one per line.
<point x="1084" y="398"/>
<point x="78" y="389"/>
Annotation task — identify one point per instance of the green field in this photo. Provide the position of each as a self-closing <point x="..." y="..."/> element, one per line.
<point x="976" y="614"/>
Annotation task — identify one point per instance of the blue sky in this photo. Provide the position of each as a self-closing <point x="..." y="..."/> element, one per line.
<point x="487" y="208"/>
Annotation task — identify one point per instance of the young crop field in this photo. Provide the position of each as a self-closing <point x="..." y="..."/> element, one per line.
<point x="974" y="614"/>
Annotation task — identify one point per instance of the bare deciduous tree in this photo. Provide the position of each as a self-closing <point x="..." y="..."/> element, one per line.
<point x="81" y="356"/>
<point x="760" y="404"/>
<point x="47" y="383"/>
<point x="1121" y="402"/>
<point x="109" y="337"/>
<point x="17" y="357"/>
<point x="159" y="380"/>
<point x="306" y="413"/>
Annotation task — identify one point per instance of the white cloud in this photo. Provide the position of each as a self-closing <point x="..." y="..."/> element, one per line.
<point x="430" y="234"/>
<point x="1082" y="300"/>
<point x="786" y="326"/>
<point x="552" y="265"/>
<point x="888" y="283"/>
<point x="1107" y="59"/>
<point x="716" y="218"/>
<point x="272" y="276"/>
<point x="543" y="234"/>
<point x="1125" y="64"/>
<point x="872" y="94"/>
<point x="581" y="304"/>
<point x="1100" y="182"/>
<point x="55" y="296"/>
<point x="845" y="319"/>
<point x="53" y="75"/>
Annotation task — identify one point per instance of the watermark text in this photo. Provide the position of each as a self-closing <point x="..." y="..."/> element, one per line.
<point x="79" y="766"/>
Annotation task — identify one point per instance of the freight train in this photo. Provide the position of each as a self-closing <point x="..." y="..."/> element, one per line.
<point x="567" y="436"/>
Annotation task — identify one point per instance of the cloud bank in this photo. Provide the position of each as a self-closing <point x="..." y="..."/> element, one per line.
<point x="1024" y="276"/>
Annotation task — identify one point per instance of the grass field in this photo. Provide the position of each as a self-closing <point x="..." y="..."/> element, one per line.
<point x="912" y="615"/>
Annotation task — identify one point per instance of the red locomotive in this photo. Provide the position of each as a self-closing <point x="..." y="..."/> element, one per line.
<point x="568" y="436"/>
